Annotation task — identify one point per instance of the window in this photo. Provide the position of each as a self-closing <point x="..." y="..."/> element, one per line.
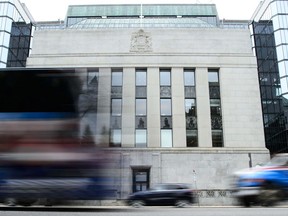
<point x="141" y="108"/>
<point x="116" y="78"/>
<point x="190" y="108"/>
<point x="166" y="107"/>
<point x="141" y="138"/>
<point x="116" y="107"/>
<point x="141" y="77"/>
<point x="165" y="78"/>
<point x="215" y="108"/>
<point x="166" y="138"/>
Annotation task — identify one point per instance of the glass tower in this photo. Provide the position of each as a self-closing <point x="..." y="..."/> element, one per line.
<point x="16" y="30"/>
<point x="269" y="31"/>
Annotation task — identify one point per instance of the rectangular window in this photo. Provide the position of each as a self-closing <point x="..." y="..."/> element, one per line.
<point x="141" y="77"/>
<point x="116" y="107"/>
<point x="215" y="108"/>
<point x="115" y="138"/>
<point x="190" y="108"/>
<point x="166" y="138"/>
<point x="117" y="78"/>
<point x="141" y="109"/>
<point x="165" y="77"/>
<point x="141" y="138"/>
<point x="189" y="77"/>
<point x="166" y="107"/>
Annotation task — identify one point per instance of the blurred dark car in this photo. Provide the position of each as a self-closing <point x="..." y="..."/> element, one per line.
<point x="263" y="185"/>
<point x="180" y="195"/>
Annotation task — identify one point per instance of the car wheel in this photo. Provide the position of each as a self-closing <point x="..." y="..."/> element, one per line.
<point x="182" y="203"/>
<point x="27" y="202"/>
<point x="137" y="203"/>
<point x="246" y="202"/>
<point x="270" y="194"/>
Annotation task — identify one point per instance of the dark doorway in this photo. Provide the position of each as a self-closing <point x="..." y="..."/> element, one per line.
<point x="141" y="179"/>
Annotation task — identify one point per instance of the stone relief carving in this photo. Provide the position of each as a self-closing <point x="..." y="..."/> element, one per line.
<point x="141" y="42"/>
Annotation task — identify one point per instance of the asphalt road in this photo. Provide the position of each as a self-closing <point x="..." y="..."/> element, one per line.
<point x="146" y="211"/>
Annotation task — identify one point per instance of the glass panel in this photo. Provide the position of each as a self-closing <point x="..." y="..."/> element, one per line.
<point x="141" y="176"/>
<point x="115" y="122"/>
<point x="190" y="92"/>
<point x="166" y="109"/>
<point x="141" y="92"/>
<point x="141" y="138"/>
<point x="189" y="78"/>
<point x="165" y="91"/>
<point x="166" y="122"/>
<point x="191" y="138"/>
<point x="213" y="77"/>
<point x="217" y="140"/>
<point x="191" y="122"/>
<point x="115" y="138"/>
<point x="116" y="107"/>
<point x="141" y="78"/>
<point x="116" y="78"/>
<point x="214" y="91"/>
<point x="116" y="92"/>
<point x="190" y="107"/>
<point x="141" y="122"/>
<point x="165" y="79"/>
<point x="141" y="107"/>
<point x="216" y="122"/>
<point x="166" y="138"/>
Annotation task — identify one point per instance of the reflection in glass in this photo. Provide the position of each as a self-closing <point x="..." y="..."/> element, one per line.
<point x="141" y="122"/>
<point x="190" y="107"/>
<point x="166" y="138"/>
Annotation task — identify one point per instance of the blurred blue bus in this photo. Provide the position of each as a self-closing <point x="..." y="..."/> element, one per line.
<point x="41" y="154"/>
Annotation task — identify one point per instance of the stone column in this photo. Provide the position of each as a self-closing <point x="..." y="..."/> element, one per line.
<point x="103" y="107"/>
<point x="203" y="108"/>
<point x="153" y="107"/>
<point x="178" y="110"/>
<point x="128" y="108"/>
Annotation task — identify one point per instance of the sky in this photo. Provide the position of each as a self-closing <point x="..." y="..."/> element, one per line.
<point x="52" y="10"/>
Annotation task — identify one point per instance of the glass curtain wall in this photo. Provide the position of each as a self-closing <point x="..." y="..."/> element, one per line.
<point x="269" y="31"/>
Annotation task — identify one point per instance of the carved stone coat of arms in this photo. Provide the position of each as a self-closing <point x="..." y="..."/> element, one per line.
<point x="141" y="42"/>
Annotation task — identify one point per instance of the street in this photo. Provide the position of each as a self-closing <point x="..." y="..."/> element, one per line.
<point x="151" y="211"/>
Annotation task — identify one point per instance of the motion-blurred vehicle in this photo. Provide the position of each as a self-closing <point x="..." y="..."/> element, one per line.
<point x="263" y="185"/>
<point x="42" y="155"/>
<point x="180" y="195"/>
